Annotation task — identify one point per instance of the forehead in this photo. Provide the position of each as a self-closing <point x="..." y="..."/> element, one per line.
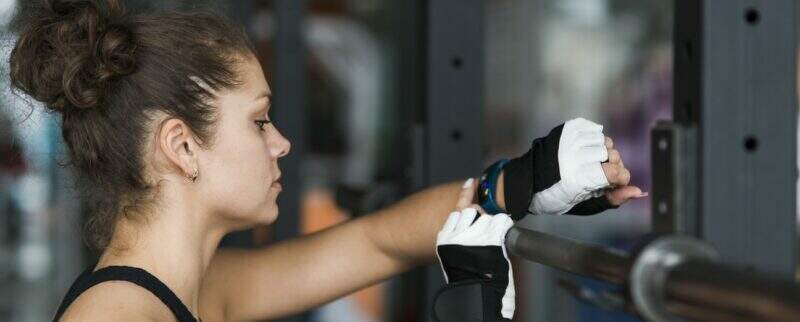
<point x="248" y="98"/>
<point x="252" y="76"/>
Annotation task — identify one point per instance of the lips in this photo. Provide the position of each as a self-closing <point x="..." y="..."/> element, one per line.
<point x="276" y="183"/>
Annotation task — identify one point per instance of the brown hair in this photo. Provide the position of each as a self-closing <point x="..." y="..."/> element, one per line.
<point x="106" y="72"/>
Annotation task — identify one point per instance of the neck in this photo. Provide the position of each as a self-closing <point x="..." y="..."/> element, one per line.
<point x="174" y="245"/>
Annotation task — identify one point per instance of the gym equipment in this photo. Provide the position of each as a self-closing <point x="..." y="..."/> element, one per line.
<point x="673" y="278"/>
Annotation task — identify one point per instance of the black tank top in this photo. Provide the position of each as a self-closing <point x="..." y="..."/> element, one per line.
<point x="134" y="275"/>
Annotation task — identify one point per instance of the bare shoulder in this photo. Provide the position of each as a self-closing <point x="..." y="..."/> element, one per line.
<point x="117" y="301"/>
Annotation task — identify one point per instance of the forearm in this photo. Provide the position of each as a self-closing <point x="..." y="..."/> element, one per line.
<point x="319" y="267"/>
<point x="406" y="231"/>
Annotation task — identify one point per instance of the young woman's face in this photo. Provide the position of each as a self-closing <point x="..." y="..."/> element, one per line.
<point x="239" y="175"/>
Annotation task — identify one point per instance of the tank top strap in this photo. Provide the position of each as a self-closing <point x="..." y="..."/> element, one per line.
<point x="135" y="275"/>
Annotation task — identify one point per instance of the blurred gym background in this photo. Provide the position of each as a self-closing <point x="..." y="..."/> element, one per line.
<point x="545" y="61"/>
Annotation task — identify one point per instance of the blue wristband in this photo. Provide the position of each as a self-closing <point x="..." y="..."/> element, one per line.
<point x="488" y="187"/>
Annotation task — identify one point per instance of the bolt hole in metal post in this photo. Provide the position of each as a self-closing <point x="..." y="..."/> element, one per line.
<point x="752" y="16"/>
<point x="455" y="135"/>
<point x="456" y="62"/>
<point x="750" y="143"/>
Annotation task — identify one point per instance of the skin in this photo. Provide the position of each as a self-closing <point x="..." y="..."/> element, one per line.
<point x="236" y="189"/>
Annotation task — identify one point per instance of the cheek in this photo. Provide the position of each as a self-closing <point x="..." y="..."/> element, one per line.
<point x="239" y="172"/>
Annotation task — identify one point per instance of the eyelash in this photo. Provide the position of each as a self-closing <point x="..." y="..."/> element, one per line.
<point x="260" y="124"/>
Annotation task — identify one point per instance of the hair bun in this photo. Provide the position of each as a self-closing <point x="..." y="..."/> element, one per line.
<point x="70" y="51"/>
<point x="115" y="52"/>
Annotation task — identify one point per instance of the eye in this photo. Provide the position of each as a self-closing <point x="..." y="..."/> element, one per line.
<point x="261" y="123"/>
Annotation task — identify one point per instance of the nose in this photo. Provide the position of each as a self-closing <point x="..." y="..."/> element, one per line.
<point x="279" y="146"/>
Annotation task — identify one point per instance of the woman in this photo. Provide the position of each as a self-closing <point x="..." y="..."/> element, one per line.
<point x="166" y="120"/>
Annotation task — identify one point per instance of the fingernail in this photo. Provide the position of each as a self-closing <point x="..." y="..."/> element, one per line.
<point x="468" y="183"/>
<point x="644" y="194"/>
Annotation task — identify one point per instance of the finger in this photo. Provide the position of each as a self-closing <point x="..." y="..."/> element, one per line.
<point x="466" y="195"/>
<point x="614" y="156"/>
<point x="450" y="224"/>
<point x="622" y="177"/>
<point x="466" y="219"/>
<point x="624" y="194"/>
<point x="609" y="143"/>
<point x="625" y="177"/>
<point x="616" y="174"/>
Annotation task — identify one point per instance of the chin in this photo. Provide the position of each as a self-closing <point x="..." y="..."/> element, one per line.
<point x="268" y="217"/>
<point x="262" y="217"/>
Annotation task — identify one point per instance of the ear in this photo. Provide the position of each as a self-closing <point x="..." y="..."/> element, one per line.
<point x="178" y="145"/>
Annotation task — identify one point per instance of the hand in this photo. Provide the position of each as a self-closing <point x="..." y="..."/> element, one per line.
<point x="620" y="191"/>
<point x="577" y="149"/>
<point x="574" y="170"/>
<point x="619" y="177"/>
<point x="472" y="254"/>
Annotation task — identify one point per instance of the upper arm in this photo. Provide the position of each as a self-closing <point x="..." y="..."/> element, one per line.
<point x="296" y="275"/>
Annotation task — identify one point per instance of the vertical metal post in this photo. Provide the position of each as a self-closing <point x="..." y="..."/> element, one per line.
<point x="454" y="63"/>
<point x="404" y="302"/>
<point x="454" y="91"/>
<point x="735" y="81"/>
<point x="289" y="92"/>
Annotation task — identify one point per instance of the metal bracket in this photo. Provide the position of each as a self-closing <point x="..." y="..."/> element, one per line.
<point x="673" y="160"/>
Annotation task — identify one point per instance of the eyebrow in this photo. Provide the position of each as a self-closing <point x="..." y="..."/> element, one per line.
<point x="263" y="94"/>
